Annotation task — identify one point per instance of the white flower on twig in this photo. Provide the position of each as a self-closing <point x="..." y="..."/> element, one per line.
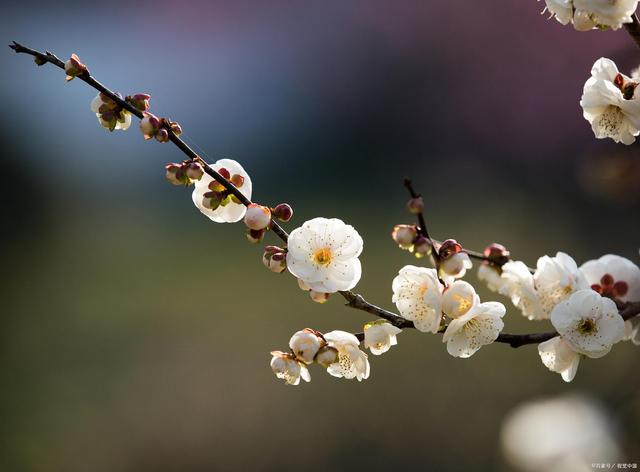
<point x="379" y="336"/>
<point x="417" y="295"/>
<point x="352" y="362"/>
<point x="287" y="368"/>
<point x="323" y="254"/>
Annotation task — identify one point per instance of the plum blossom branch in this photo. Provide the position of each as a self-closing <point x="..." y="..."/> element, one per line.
<point x="354" y="300"/>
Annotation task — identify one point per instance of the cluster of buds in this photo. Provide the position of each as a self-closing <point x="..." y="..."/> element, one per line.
<point x="408" y="237"/>
<point x="154" y="127"/>
<point x="307" y="346"/>
<point x="275" y="259"/>
<point x="139" y="101"/>
<point x="110" y="113"/>
<point x="184" y="173"/>
<point x="318" y="297"/>
<point x="258" y="219"/>
<point x="74" y="68"/>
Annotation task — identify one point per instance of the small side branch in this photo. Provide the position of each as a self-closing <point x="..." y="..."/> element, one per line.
<point x="633" y="29"/>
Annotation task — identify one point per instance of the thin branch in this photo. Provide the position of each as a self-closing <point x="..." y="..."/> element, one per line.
<point x="633" y="29"/>
<point x="354" y="300"/>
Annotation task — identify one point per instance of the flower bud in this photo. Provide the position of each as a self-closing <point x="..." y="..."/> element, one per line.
<point x="237" y="180"/>
<point x="39" y="60"/>
<point x="162" y="135"/>
<point x="497" y="254"/>
<point x="305" y="345"/>
<point x="318" y="297"/>
<point x="149" y="125"/>
<point x="257" y="217"/>
<point x="255" y="236"/>
<point x="73" y="67"/>
<point x="449" y="248"/>
<point x="404" y="235"/>
<point x="194" y="170"/>
<point x="274" y="259"/>
<point x="139" y="101"/>
<point x="415" y="205"/>
<point x="582" y="21"/>
<point x="326" y="356"/>
<point x="421" y="247"/>
<point x="283" y="212"/>
<point x="175" y="174"/>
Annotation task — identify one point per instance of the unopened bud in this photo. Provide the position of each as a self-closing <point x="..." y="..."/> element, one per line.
<point x="326" y="356"/>
<point x="73" y="67"/>
<point x="175" y="174"/>
<point x="194" y="171"/>
<point x="149" y="125"/>
<point x="139" y="101"/>
<point x="257" y="217"/>
<point x="404" y="235"/>
<point x="274" y="260"/>
<point x="237" y="180"/>
<point x="421" y="247"/>
<point x="448" y="248"/>
<point x="39" y="60"/>
<point x="283" y="212"/>
<point x="305" y="345"/>
<point x="255" y="236"/>
<point x="318" y="297"/>
<point x="497" y="254"/>
<point x="415" y="205"/>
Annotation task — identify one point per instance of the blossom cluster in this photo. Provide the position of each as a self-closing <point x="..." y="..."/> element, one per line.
<point x="579" y="301"/>
<point x="585" y="15"/>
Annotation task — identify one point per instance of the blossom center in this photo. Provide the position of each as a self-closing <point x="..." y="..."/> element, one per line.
<point x="323" y="256"/>
<point x="587" y="326"/>
<point x="463" y="303"/>
<point x="609" y="287"/>
<point x="611" y="121"/>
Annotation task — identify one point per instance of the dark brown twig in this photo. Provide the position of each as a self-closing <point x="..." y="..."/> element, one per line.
<point x="633" y="29"/>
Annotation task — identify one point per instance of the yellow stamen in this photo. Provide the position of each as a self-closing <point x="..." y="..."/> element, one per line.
<point x="323" y="256"/>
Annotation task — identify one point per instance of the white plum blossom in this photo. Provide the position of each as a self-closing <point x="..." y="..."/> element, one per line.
<point x="323" y="253"/>
<point x="588" y="325"/>
<point x="610" y="104"/>
<point x="379" y="336"/>
<point x="474" y="325"/>
<point x="554" y="279"/>
<point x="588" y="14"/>
<point x="417" y="295"/>
<point x="614" y="277"/>
<point x="305" y="345"/>
<point x="287" y="368"/>
<point x="230" y="211"/>
<point x="352" y="362"/>
<point x="109" y="113"/>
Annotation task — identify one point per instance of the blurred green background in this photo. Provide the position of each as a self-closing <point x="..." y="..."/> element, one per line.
<point x="137" y="333"/>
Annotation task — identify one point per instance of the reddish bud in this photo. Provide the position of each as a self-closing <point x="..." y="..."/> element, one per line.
<point x="73" y="67"/>
<point x="139" y="101"/>
<point x="497" y="254"/>
<point x="448" y="248"/>
<point x="162" y="135"/>
<point x="283" y="212"/>
<point x="175" y="174"/>
<point x="421" y="246"/>
<point x="212" y="200"/>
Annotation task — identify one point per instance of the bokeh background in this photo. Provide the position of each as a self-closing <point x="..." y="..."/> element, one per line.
<point x="136" y="333"/>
